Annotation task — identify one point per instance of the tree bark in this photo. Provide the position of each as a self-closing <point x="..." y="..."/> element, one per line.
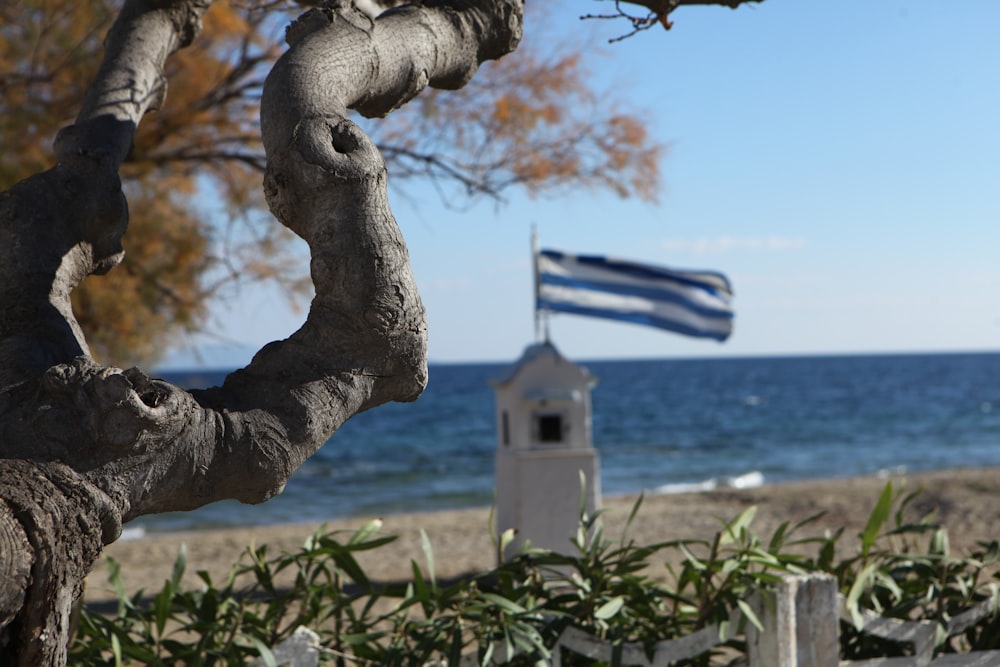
<point x="85" y="448"/>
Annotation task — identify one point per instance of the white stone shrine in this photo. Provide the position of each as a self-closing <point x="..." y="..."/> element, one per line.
<point x="543" y="445"/>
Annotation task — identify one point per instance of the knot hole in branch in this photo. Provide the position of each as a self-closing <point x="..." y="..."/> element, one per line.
<point x="343" y="139"/>
<point x="339" y="148"/>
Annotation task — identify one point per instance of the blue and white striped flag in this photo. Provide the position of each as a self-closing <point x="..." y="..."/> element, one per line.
<point x="693" y="303"/>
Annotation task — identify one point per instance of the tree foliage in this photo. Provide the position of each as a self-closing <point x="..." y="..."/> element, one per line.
<point x="197" y="218"/>
<point x="525" y="135"/>
<point x="535" y="119"/>
<point x="49" y="52"/>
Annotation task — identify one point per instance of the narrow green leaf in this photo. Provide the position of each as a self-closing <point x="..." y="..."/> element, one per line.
<point x="161" y="608"/>
<point x="138" y="652"/>
<point x="939" y="543"/>
<point x="116" y="650"/>
<point x="609" y="608"/>
<point x="634" y="512"/>
<point x="180" y="564"/>
<point x="505" y="540"/>
<point x="455" y="650"/>
<point x="690" y="557"/>
<point x="734" y="529"/>
<point x="488" y="654"/>
<point x="853" y="599"/>
<point x="361" y="638"/>
<point x="366" y="531"/>
<point x="885" y="580"/>
<point x="877" y="519"/>
<point x="421" y="592"/>
<point x="903" y="504"/>
<point x="425" y="544"/>
<point x="265" y="653"/>
<point x="312" y="541"/>
<point x="508" y="644"/>
<point x="504" y="603"/>
<point x="346" y="562"/>
<point x="828" y="551"/>
<point x="778" y="539"/>
<point x="766" y="577"/>
<point x="329" y="542"/>
<point x="750" y="614"/>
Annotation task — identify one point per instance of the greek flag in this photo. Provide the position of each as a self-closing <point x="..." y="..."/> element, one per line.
<point x="693" y="303"/>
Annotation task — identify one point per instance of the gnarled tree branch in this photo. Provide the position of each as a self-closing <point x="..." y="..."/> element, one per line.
<point x="84" y="448"/>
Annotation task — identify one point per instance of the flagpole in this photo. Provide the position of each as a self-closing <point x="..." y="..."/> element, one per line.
<point x="541" y="321"/>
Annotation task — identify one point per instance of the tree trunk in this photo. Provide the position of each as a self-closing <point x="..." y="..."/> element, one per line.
<point x="85" y="448"/>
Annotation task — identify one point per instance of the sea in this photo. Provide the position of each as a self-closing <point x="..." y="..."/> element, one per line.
<point x="659" y="425"/>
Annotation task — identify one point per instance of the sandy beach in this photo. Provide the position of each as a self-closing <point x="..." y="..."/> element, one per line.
<point x="966" y="502"/>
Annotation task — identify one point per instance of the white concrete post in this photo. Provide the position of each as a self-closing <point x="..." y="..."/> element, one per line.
<point x="301" y="649"/>
<point x="801" y="626"/>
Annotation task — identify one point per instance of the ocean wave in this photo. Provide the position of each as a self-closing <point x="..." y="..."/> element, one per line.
<point x="133" y="533"/>
<point x="747" y="480"/>
<point x="892" y="471"/>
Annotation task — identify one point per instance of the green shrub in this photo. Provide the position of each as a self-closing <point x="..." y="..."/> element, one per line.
<point x="617" y="590"/>
<point x="892" y="575"/>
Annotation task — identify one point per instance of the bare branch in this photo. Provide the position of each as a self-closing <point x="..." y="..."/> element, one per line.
<point x="658" y="12"/>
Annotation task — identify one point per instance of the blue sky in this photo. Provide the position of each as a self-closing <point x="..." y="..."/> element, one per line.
<point x="839" y="160"/>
